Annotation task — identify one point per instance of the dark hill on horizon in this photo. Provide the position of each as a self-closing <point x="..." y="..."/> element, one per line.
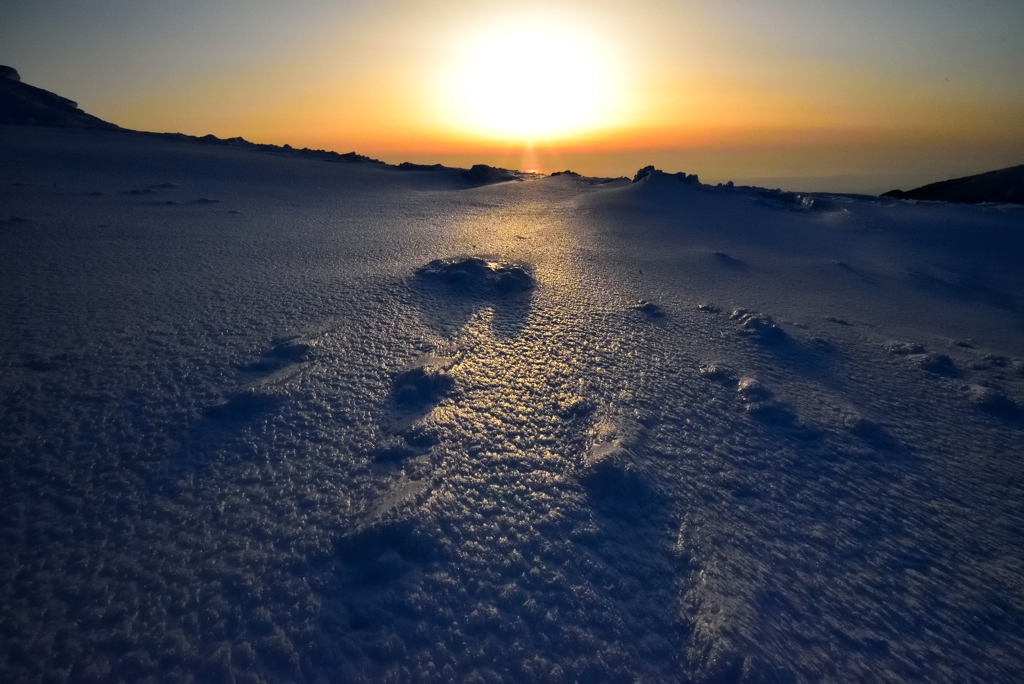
<point x="22" y="104"/>
<point x="1002" y="186"/>
<point x="25" y="105"/>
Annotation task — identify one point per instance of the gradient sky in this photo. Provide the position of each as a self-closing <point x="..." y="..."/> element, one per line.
<point x="860" y="95"/>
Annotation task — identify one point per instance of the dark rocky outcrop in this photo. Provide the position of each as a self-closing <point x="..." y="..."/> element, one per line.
<point x="649" y="172"/>
<point x="25" y="105"/>
<point x="1002" y="186"/>
<point x="22" y="104"/>
<point x="482" y="174"/>
<point x="410" y="166"/>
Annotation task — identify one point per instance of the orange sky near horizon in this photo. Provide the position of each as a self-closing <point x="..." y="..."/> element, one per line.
<point x="793" y="88"/>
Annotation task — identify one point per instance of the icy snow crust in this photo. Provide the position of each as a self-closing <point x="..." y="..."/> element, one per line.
<point x="253" y="430"/>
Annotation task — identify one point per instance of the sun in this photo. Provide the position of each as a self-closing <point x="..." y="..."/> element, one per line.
<point x="530" y="82"/>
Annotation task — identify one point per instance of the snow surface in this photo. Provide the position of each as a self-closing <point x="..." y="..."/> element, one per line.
<point x="275" y="419"/>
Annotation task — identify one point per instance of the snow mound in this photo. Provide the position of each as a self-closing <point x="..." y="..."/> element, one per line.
<point x="421" y="384"/>
<point x="940" y="364"/>
<point x="757" y="326"/>
<point x="611" y="469"/>
<point x="791" y="201"/>
<point x="480" y="275"/>
<point x="904" y="348"/>
<point x="729" y="261"/>
<point x="650" y="308"/>
<point x="992" y="401"/>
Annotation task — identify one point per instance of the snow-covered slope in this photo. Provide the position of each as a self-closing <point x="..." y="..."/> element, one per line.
<point x="264" y="419"/>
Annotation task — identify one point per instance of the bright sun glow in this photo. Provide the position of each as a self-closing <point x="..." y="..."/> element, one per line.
<point x="531" y="82"/>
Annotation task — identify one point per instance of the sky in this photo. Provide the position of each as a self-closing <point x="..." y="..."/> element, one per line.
<point x="859" y="95"/>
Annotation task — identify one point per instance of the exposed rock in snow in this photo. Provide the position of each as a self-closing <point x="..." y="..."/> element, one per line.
<point x="649" y="173"/>
<point x="481" y="174"/>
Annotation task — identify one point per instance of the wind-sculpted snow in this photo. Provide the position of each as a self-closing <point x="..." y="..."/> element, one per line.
<point x="477" y="275"/>
<point x="378" y="426"/>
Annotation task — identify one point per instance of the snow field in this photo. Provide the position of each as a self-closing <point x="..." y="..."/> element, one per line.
<point x="653" y="431"/>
